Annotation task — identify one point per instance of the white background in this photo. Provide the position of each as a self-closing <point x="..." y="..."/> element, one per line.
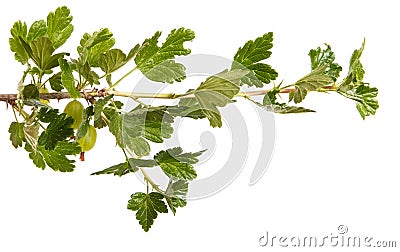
<point x="329" y="168"/>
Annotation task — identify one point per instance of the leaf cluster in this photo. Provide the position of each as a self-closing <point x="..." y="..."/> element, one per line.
<point x="177" y="165"/>
<point x="354" y="88"/>
<point x="53" y="146"/>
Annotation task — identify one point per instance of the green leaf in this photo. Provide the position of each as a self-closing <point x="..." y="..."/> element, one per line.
<point x="83" y="128"/>
<point x="326" y="56"/>
<point x="35" y="103"/>
<point x="356" y="71"/>
<point x="86" y="72"/>
<point x="136" y="163"/>
<point x="30" y="92"/>
<point x="38" y="29"/>
<point x="96" y="51"/>
<point x="110" y="110"/>
<point x="17" y="135"/>
<point x="47" y="115"/>
<point x="311" y="82"/>
<point x="167" y="72"/>
<point x="117" y="170"/>
<point x="19" y="33"/>
<point x="115" y="127"/>
<point x="117" y="104"/>
<point x="55" y="82"/>
<point x="218" y="90"/>
<point x="132" y="165"/>
<point x="368" y="104"/>
<point x="249" y="56"/>
<point x="67" y="79"/>
<point x="42" y="54"/>
<point x="32" y="133"/>
<point x="134" y="51"/>
<point x="158" y="125"/>
<point x="356" y="68"/>
<point x="59" y="129"/>
<point x="151" y="55"/>
<point x="138" y="145"/>
<point x="286" y="109"/>
<point x="88" y="41"/>
<point x="176" y="164"/>
<point x="91" y="76"/>
<point x="59" y="26"/>
<point x="176" y="193"/>
<point x="128" y="135"/>
<point x="98" y="109"/>
<point x="187" y="107"/>
<point x="142" y="163"/>
<point x="131" y="129"/>
<point x="174" y="203"/>
<point x="147" y="206"/>
<point x="270" y="97"/>
<point x="112" y="60"/>
<point x="189" y="157"/>
<point x="56" y="159"/>
<point x="93" y="46"/>
<point x="271" y="105"/>
<point x="36" y="156"/>
<point x="177" y="188"/>
<point x="153" y="123"/>
<point x="365" y="97"/>
<point x="101" y="123"/>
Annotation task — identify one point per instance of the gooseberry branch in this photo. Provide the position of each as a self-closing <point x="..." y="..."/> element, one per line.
<point x="53" y="138"/>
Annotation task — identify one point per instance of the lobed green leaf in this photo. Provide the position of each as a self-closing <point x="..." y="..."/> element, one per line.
<point x="19" y="33"/>
<point x="59" y="26"/>
<point x="57" y="158"/>
<point x="30" y="91"/>
<point x="98" y="110"/>
<point x="175" y="203"/>
<point x="42" y="54"/>
<point x="147" y="206"/>
<point x="320" y="57"/>
<point x="55" y="82"/>
<point x="167" y="71"/>
<point x="311" y="82"/>
<point x="17" y="135"/>
<point x="177" y="188"/>
<point x="218" y="90"/>
<point x="187" y="107"/>
<point x="84" y="127"/>
<point x="112" y="60"/>
<point x="248" y="58"/>
<point x="58" y="129"/>
<point x="67" y="79"/>
<point x="130" y="166"/>
<point x="48" y="115"/>
<point x="286" y="109"/>
<point x="93" y="46"/>
<point x="150" y="55"/>
<point x="176" y="193"/>
<point x="38" y="29"/>
<point x="280" y="108"/>
<point x="177" y="164"/>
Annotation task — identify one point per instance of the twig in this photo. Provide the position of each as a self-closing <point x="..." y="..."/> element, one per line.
<point x="10" y="98"/>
